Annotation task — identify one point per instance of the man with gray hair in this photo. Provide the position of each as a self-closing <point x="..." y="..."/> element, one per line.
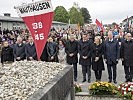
<point x="19" y="49"/>
<point x="127" y="56"/>
<point x="111" y="55"/>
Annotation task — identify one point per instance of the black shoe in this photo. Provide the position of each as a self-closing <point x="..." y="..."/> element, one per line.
<point x="98" y="80"/>
<point x="89" y="81"/>
<point x="130" y="80"/>
<point x="75" y="80"/>
<point x="84" y="80"/>
<point x="109" y="81"/>
<point x="115" y="82"/>
<point x="126" y="81"/>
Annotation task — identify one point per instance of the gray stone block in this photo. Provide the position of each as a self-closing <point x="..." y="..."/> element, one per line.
<point x="59" y="88"/>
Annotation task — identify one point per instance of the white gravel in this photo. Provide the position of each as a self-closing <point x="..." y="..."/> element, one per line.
<point x="21" y="79"/>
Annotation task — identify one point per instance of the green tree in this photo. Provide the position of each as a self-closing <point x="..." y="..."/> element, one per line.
<point x="114" y="23"/>
<point x="76" y="16"/>
<point x="86" y="15"/>
<point x="61" y="14"/>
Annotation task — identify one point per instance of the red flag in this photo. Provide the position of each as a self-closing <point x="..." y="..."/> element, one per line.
<point x="38" y="18"/>
<point x="99" y="25"/>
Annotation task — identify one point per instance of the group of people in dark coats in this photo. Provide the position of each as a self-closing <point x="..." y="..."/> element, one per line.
<point x="92" y="53"/>
<point x="18" y="51"/>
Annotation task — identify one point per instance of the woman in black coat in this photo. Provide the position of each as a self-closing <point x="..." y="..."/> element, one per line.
<point x="97" y="59"/>
<point x="7" y="53"/>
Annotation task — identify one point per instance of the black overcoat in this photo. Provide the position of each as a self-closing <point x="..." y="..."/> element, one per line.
<point x="19" y="51"/>
<point x="71" y="47"/>
<point x="84" y="50"/>
<point x="30" y="51"/>
<point x="7" y="54"/>
<point x="97" y="51"/>
<point x="127" y="52"/>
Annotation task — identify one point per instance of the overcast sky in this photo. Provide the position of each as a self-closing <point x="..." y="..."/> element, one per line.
<point x="107" y="11"/>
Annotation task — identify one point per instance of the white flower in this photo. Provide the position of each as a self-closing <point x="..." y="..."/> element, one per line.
<point x="126" y="84"/>
<point x="123" y="88"/>
<point x="131" y="86"/>
<point x="129" y="89"/>
<point x="125" y="92"/>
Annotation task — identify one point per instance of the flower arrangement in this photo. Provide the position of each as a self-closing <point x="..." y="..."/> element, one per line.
<point x="77" y="88"/>
<point x="126" y="90"/>
<point x="102" y="88"/>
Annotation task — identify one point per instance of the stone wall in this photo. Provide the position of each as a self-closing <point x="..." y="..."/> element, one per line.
<point x="59" y="88"/>
<point x="87" y="96"/>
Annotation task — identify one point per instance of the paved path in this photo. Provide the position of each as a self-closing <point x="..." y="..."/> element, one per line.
<point x="85" y="85"/>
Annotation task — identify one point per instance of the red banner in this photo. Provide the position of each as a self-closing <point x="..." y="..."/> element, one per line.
<point x="38" y="18"/>
<point x="99" y="25"/>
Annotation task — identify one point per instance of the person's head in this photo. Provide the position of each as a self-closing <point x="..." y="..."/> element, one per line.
<point x="128" y="36"/>
<point x="5" y="44"/>
<point x="51" y="39"/>
<point x="88" y="36"/>
<point x="61" y="42"/>
<point x="110" y="35"/>
<point x="72" y="38"/>
<point x="30" y="39"/>
<point x="97" y="40"/>
<point x="19" y="40"/>
<point x="84" y="37"/>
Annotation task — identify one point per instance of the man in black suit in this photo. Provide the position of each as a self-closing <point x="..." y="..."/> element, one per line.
<point x="71" y="50"/>
<point x="85" y="56"/>
<point x="111" y="55"/>
<point x="30" y="50"/>
<point x="127" y="56"/>
<point x="19" y="50"/>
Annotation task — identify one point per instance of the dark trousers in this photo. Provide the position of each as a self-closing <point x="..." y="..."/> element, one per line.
<point x="112" y="69"/>
<point x="128" y="72"/>
<point x="86" y="69"/>
<point x="75" y="70"/>
<point x="98" y="75"/>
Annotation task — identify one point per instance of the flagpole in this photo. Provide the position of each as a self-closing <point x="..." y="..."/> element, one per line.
<point x="69" y="23"/>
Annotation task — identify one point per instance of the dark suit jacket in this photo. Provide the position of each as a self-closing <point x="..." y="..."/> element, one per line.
<point x="19" y="51"/>
<point x="127" y="52"/>
<point x="7" y="54"/>
<point x="72" y="47"/>
<point x="85" y="50"/>
<point x="30" y="51"/>
<point x="111" y="51"/>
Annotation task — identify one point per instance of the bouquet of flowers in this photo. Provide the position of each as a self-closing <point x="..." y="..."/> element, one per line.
<point x="77" y="88"/>
<point x="102" y="88"/>
<point x="126" y="90"/>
